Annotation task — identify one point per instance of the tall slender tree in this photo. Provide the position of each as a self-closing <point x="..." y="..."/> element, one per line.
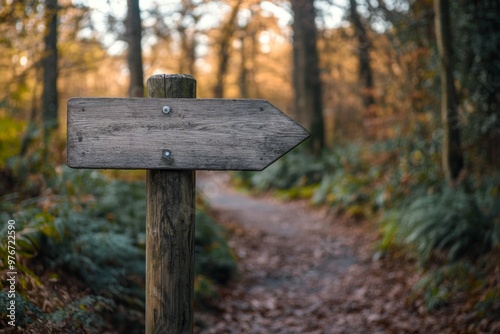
<point x="50" y="71"/>
<point x="452" y="156"/>
<point x="365" y="69"/>
<point x="243" y="72"/>
<point x="134" y="55"/>
<point x="187" y="29"/>
<point x="306" y="75"/>
<point x="224" y="42"/>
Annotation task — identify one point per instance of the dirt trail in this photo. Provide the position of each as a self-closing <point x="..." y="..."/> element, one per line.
<point x="293" y="243"/>
<point x="303" y="272"/>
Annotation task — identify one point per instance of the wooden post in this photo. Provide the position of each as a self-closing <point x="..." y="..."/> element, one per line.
<point x="170" y="230"/>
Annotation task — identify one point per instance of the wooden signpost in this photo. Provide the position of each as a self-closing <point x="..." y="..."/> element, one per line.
<point x="171" y="134"/>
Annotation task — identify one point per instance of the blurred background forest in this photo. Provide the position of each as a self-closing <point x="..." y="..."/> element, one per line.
<point x="402" y="99"/>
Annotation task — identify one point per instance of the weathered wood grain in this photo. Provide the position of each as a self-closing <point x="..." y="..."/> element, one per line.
<point x="170" y="232"/>
<point x="215" y="134"/>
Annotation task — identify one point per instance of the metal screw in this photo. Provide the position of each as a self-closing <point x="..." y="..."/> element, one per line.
<point x="166" y="154"/>
<point x="166" y="109"/>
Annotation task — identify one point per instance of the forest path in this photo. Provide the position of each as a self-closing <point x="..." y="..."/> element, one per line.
<point x="303" y="271"/>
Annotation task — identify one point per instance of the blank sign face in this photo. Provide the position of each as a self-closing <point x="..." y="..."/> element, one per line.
<point x="152" y="133"/>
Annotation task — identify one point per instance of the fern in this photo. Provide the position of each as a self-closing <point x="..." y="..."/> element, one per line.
<point x="105" y="256"/>
<point x="453" y="221"/>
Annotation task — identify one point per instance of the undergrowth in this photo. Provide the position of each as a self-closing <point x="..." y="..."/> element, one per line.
<point x="85" y="314"/>
<point x="339" y="178"/>
<point x="85" y="225"/>
<point x="466" y="283"/>
<point x="451" y="222"/>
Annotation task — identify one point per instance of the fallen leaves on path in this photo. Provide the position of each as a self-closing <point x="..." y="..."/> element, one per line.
<point x="304" y="271"/>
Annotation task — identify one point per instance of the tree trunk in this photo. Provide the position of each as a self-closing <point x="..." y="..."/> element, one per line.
<point x="306" y="76"/>
<point x="243" y="75"/>
<point x="452" y="158"/>
<point x="188" y="53"/>
<point x="187" y="36"/>
<point x="134" y="55"/>
<point x="365" y="70"/>
<point x="50" y="71"/>
<point x="486" y="28"/>
<point x="224" y="42"/>
<point x="254" y="88"/>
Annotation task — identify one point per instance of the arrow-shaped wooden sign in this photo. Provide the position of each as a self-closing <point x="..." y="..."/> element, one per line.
<point x="153" y="133"/>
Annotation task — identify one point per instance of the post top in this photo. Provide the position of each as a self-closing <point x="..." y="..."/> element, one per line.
<point x="171" y="86"/>
<point x="170" y="76"/>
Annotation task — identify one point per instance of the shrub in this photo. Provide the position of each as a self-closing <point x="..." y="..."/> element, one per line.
<point x="440" y="286"/>
<point x="214" y="259"/>
<point x="10" y="132"/>
<point x="339" y="178"/>
<point x="410" y="168"/>
<point x="451" y="222"/>
<point x="294" y="169"/>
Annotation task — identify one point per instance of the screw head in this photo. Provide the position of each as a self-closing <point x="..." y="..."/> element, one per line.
<point x="166" y="109"/>
<point x="166" y="154"/>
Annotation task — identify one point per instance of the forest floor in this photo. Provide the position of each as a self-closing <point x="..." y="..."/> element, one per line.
<point x="303" y="270"/>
